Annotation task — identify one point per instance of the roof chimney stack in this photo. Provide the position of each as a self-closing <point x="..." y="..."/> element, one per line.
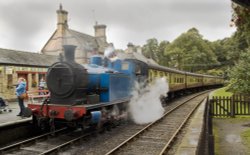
<point x="62" y="19"/>
<point x="100" y="32"/>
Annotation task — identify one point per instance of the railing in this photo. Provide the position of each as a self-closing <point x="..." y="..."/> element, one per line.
<point x="37" y="96"/>
<point x="230" y="106"/>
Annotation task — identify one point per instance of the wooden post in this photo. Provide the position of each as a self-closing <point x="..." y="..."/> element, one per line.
<point x="232" y="113"/>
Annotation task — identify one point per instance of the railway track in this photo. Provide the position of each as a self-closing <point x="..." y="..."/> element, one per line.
<point x="138" y="139"/>
<point x="44" y="144"/>
<point x="158" y="137"/>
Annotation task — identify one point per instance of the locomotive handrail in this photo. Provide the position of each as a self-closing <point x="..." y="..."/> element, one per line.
<point x="37" y="94"/>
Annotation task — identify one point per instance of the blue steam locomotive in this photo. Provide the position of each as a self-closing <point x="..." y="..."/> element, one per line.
<point x="98" y="93"/>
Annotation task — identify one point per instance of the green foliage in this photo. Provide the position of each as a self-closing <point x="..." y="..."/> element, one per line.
<point x="241" y="19"/>
<point x="216" y="140"/>
<point x="221" y="92"/>
<point x="155" y="51"/>
<point x="162" y="59"/>
<point x="246" y="137"/>
<point x="239" y="51"/>
<point x="150" y="50"/>
<point x="190" y="52"/>
<point x="240" y="75"/>
<point x="215" y="72"/>
<point x="241" y="38"/>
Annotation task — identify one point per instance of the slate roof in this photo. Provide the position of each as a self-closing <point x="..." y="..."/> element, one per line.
<point x="87" y="42"/>
<point x="84" y="39"/>
<point x="135" y="55"/>
<point x="21" y="58"/>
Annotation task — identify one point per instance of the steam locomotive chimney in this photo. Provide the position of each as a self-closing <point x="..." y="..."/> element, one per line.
<point x="69" y="52"/>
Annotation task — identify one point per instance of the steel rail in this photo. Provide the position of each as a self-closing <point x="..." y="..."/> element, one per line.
<point x="6" y="148"/>
<point x="150" y="125"/>
<point x="171" y="140"/>
<point x="57" y="148"/>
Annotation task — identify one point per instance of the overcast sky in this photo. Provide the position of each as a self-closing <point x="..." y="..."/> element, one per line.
<point x="28" y="24"/>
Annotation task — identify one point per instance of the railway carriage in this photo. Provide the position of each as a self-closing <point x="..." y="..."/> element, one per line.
<point x="175" y="78"/>
<point x="194" y="80"/>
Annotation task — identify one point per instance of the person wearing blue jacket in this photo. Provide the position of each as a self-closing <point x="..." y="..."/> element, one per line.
<point x="20" y="89"/>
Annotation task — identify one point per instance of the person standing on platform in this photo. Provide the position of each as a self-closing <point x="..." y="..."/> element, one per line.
<point x="20" y="90"/>
<point x="42" y="85"/>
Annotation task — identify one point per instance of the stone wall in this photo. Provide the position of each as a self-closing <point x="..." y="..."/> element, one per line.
<point x="10" y="74"/>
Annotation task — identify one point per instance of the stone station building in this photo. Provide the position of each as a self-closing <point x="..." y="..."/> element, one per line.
<point x="87" y="45"/>
<point x="15" y="64"/>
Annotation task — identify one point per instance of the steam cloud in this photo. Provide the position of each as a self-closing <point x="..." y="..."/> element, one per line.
<point x="110" y="53"/>
<point x="145" y="106"/>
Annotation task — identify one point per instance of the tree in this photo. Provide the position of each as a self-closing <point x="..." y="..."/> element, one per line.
<point x="241" y="19"/>
<point x="240" y="75"/>
<point x="190" y="52"/>
<point x="240" y="40"/>
<point x="162" y="59"/>
<point x="150" y="49"/>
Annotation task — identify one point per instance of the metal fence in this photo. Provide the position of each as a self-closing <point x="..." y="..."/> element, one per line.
<point x="230" y="106"/>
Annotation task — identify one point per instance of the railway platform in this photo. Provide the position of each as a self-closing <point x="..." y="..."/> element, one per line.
<point x="190" y="142"/>
<point x="8" y="116"/>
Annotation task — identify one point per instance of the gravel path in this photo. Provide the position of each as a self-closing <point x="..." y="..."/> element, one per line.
<point x="229" y="141"/>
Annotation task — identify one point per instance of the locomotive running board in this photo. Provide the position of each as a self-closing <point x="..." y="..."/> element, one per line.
<point x="104" y="104"/>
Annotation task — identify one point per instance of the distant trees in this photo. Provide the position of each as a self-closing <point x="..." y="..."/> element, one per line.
<point x="240" y="73"/>
<point x="187" y="52"/>
<point x="152" y="49"/>
<point x="191" y="52"/>
<point x="241" y="19"/>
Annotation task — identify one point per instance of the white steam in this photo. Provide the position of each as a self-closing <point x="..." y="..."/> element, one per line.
<point x="110" y="53"/>
<point x="145" y="105"/>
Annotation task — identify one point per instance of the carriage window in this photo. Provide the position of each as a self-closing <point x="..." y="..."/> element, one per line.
<point x="161" y="74"/>
<point x="166" y="74"/>
<point x="150" y="75"/>
<point x="155" y="72"/>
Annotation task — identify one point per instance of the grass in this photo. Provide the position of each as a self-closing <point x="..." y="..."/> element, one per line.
<point x="246" y="138"/>
<point x="221" y="92"/>
<point x="216" y="140"/>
